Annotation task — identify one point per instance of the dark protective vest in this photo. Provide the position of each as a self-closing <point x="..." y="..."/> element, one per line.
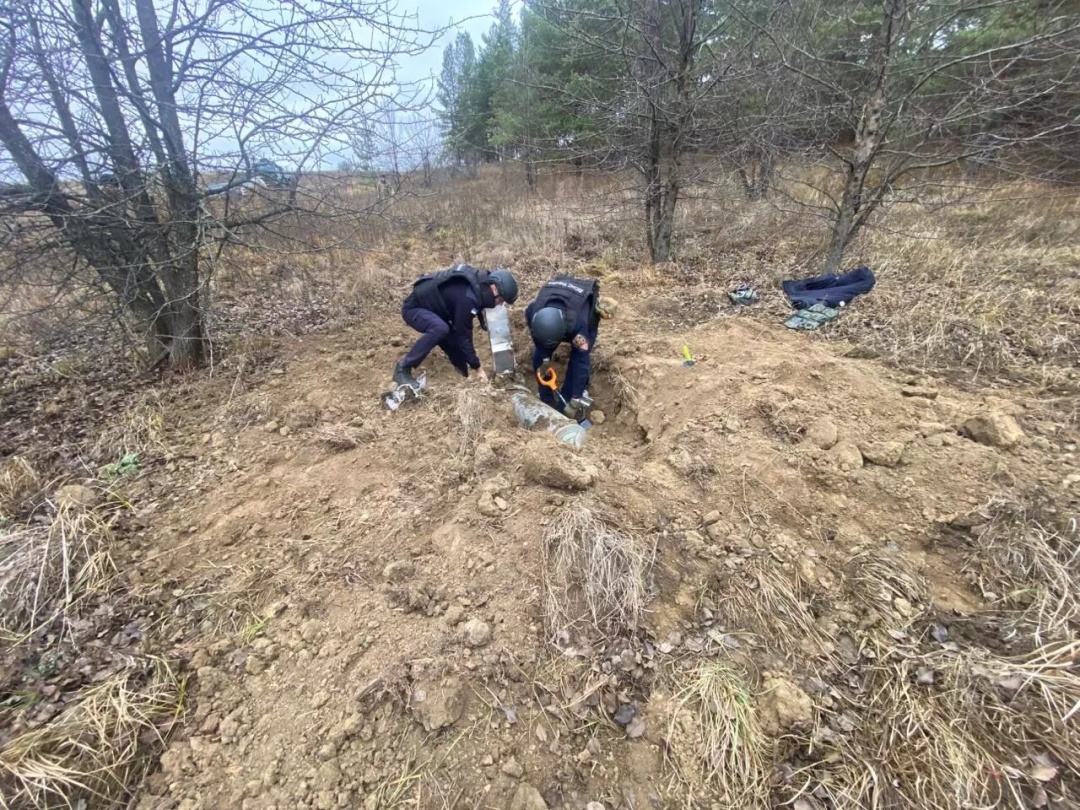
<point x="571" y="295"/>
<point x="427" y="290"/>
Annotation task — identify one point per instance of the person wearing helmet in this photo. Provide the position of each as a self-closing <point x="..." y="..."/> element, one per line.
<point x="566" y="310"/>
<point x="442" y="306"/>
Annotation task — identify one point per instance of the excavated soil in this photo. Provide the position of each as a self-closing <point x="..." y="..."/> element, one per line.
<point x="363" y="592"/>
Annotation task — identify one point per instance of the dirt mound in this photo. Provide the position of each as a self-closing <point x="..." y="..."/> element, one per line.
<point x="413" y="609"/>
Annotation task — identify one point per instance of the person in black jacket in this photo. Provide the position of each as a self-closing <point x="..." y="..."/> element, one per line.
<point x="566" y="310"/>
<point x="442" y="306"/>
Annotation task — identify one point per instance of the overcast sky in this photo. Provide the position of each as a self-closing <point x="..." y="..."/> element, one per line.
<point x="474" y="16"/>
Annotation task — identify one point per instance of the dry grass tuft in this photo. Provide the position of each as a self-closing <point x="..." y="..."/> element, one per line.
<point x="140" y="430"/>
<point x="629" y="395"/>
<point x="595" y="576"/>
<point x="19" y="485"/>
<point x="46" y="570"/>
<point x="716" y="745"/>
<point x="1032" y="568"/>
<point x="879" y="582"/>
<point x="986" y="732"/>
<point x="472" y="407"/>
<point x="341" y="437"/>
<point x="771" y="604"/>
<point x="91" y="754"/>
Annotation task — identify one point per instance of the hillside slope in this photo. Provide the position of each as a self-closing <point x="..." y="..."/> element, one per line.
<point x="767" y="579"/>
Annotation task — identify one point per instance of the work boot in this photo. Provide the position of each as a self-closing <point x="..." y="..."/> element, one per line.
<point x="403" y="376"/>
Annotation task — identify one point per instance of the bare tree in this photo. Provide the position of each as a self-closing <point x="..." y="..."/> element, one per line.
<point x="113" y="110"/>
<point x="927" y="84"/>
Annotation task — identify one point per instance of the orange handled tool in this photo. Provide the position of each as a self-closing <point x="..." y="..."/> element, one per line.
<point x="551" y="381"/>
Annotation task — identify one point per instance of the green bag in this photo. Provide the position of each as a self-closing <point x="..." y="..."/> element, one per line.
<point x="811" y="317"/>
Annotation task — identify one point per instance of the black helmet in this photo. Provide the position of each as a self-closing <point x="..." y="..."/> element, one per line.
<point x="548" y="327"/>
<point x="505" y="284"/>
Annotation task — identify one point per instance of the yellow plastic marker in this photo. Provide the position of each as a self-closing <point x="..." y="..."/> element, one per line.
<point x="688" y="360"/>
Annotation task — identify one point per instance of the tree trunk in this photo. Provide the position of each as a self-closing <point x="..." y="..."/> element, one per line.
<point x="855" y="204"/>
<point x="530" y="172"/>
<point x="180" y="275"/>
<point x="665" y="224"/>
<point x="851" y="213"/>
<point x="653" y="190"/>
<point x="756" y="175"/>
<point x="187" y="345"/>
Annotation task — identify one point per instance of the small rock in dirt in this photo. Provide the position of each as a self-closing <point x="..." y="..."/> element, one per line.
<point x="526" y="797"/>
<point x="454" y="615"/>
<point x="993" y="428"/>
<point x="903" y="607"/>
<point x="883" y="454"/>
<point x="939" y="633"/>
<point x="920" y="391"/>
<point x="925" y="676"/>
<point x="784" y="706"/>
<point x="495" y="487"/>
<point x="695" y="543"/>
<point x="823" y="433"/>
<point x="399" y="571"/>
<point x="254" y="665"/>
<point x="76" y="496"/>
<point x="720" y="531"/>
<point x="513" y="768"/>
<point x="501" y="503"/>
<point x="635" y="728"/>
<point x="712" y="517"/>
<point x="847" y="456"/>
<point x="625" y="713"/>
<point x="476" y="633"/>
<point x="597" y="416"/>
<point x="552" y="464"/>
<point x="328" y="776"/>
<point x="211" y="723"/>
<point x="439" y="705"/>
<point x="486" y="506"/>
<point x="271" y="426"/>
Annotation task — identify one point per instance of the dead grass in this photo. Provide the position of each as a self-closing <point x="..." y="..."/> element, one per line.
<point x="716" y="746"/>
<point x="950" y="729"/>
<point x="46" y="570"/>
<point x="772" y="604"/>
<point x="1030" y="567"/>
<point x="978" y="287"/>
<point x="91" y="753"/>
<point x="595" y="576"/>
<point x="885" y="584"/>
<point x="139" y="430"/>
<point x="472" y="408"/>
<point x="341" y="437"/>
<point x="20" y="485"/>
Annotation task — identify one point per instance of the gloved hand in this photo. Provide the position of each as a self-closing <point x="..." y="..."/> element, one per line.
<point x="606" y="307"/>
<point x="480" y="375"/>
<point x="571" y="409"/>
<point x="581" y="342"/>
<point x="545" y="368"/>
